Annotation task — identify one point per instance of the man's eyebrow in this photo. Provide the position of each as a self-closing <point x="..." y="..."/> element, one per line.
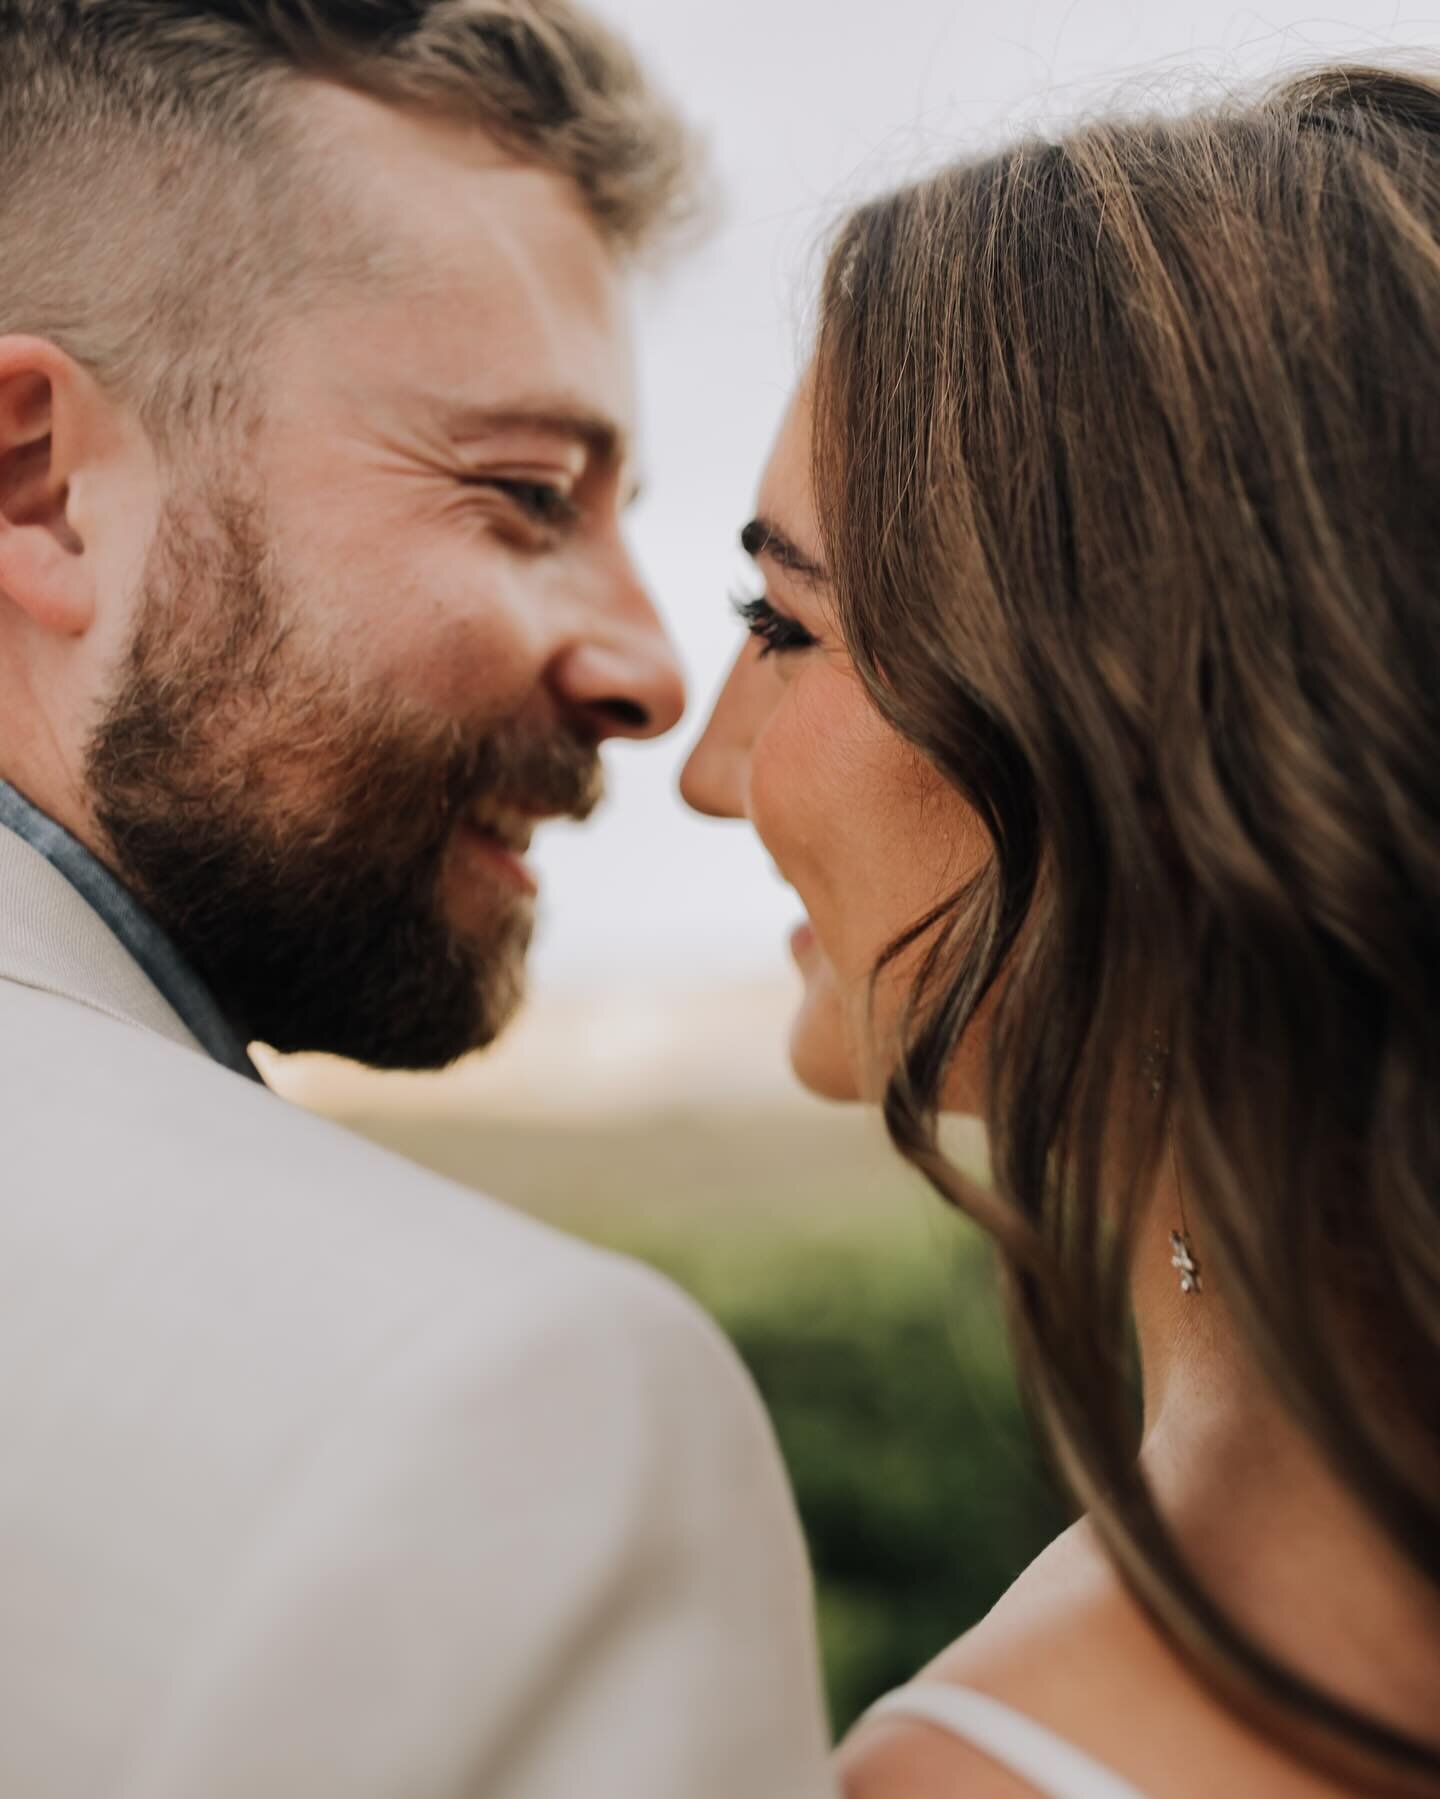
<point x="601" y="436"/>
<point x="763" y="537"/>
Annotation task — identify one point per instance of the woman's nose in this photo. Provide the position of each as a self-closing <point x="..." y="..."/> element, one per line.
<point x="715" y="779"/>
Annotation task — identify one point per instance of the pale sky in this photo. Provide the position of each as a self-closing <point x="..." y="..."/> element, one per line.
<point x="807" y="104"/>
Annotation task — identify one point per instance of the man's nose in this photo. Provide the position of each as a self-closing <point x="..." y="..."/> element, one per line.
<point x="715" y="778"/>
<point x="621" y="677"/>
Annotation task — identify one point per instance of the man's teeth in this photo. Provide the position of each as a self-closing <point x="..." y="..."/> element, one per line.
<point x="512" y="827"/>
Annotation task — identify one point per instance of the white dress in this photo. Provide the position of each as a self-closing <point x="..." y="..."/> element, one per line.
<point x="1052" y="1766"/>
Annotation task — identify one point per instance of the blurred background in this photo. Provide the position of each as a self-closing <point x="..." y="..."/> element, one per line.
<point x="645" y="1101"/>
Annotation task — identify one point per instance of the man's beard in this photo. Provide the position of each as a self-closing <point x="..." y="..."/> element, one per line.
<point x="289" y="829"/>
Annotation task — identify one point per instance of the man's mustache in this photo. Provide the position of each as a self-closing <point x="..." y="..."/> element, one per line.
<point x="559" y="775"/>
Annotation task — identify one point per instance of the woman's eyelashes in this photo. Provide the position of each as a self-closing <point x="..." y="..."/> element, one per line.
<point x="776" y="630"/>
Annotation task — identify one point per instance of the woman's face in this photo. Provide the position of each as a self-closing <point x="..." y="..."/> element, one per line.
<point x="864" y="829"/>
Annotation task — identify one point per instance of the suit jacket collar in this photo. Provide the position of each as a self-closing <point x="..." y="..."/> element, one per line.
<point x="52" y="940"/>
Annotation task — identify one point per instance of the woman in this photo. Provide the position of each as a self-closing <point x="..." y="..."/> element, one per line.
<point x="1094" y="712"/>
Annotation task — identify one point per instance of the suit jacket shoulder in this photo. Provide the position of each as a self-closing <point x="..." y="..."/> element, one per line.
<point x="326" y="1477"/>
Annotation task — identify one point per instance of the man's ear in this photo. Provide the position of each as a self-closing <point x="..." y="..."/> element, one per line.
<point x="46" y="403"/>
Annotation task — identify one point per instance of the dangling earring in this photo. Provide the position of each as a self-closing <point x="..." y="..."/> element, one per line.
<point x="1182" y="1255"/>
<point x="1182" y="1252"/>
<point x="1153" y="1062"/>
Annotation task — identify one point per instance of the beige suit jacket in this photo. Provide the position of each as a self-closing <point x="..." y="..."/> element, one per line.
<point x="321" y="1478"/>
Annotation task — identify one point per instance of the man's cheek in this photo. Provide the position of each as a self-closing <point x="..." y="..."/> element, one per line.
<point x="475" y="672"/>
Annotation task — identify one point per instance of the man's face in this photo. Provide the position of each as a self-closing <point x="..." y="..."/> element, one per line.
<point x="381" y="634"/>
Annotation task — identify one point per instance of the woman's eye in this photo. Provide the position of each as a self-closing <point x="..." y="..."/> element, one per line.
<point x="776" y="630"/>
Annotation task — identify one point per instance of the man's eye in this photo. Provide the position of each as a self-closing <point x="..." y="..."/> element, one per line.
<point x="776" y="630"/>
<point x="541" y="503"/>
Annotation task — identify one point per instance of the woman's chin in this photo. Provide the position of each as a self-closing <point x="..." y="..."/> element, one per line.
<point x="819" y="1049"/>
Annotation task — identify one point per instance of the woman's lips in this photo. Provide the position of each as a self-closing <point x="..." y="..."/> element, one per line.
<point x="802" y="939"/>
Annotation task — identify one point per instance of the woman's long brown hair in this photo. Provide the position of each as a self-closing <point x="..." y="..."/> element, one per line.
<point x="1128" y="463"/>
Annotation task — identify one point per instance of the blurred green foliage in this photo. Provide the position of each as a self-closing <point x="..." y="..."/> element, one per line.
<point x="920" y="1491"/>
<point x="868" y="1318"/>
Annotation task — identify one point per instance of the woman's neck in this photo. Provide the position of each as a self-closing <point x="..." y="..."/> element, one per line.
<point x="1272" y="1533"/>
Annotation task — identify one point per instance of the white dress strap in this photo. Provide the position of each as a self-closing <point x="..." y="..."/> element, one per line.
<point x="1050" y="1764"/>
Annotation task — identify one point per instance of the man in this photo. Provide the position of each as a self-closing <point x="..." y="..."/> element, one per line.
<point x="320" y="1476"/>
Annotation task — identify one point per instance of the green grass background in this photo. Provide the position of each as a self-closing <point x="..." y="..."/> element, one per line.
<point x="865" y="1312"/>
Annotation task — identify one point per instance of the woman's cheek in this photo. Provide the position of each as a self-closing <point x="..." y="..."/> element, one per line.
<point x="789" y="802"/>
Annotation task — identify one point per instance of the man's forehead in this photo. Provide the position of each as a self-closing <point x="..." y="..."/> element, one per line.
<point x="496" y="306"/>
<point x="437" y="203"/>
<point x="346" y="125"/>
<point x="425" y="177"/>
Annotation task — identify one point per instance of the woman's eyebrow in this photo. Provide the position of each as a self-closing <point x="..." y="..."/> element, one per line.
<point x="763" y="537"/>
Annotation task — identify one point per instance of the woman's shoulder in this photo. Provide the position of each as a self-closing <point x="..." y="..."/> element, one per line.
<point x="903" y="1758"/>
<point x="1072" y="1659"/>
<point x="900" y="1755"/>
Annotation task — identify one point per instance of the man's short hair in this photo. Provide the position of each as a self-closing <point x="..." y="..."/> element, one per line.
<point x="159" y="202"/>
